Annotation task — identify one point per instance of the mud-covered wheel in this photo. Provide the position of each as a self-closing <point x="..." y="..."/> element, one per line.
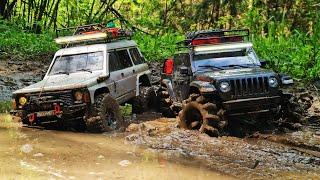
<point x="165" y="102"/>
<point x="199" y="114"/>
<point x="291" y="111"/>
<point x="145" y="101"/>
<point x="104" y="115"/>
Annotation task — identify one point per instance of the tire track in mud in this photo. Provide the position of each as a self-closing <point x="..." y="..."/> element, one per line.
<point x="264" y="156"/>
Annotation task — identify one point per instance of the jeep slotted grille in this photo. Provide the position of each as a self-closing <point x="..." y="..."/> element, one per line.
<point x="249" y="86"/>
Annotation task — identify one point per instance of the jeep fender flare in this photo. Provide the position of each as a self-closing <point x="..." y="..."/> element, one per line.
<point x="100" y="88"/>
<point x="145" y="77"/>
<point x="203" y="86"/>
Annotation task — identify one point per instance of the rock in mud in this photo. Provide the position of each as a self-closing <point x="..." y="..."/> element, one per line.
<point x="38" y="155"/>
<point x="132" y="137"/>
<point x="124" y="163"/>
<point x="26" y="148"/>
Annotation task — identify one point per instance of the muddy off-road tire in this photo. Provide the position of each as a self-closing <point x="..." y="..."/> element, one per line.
<point x="104" y="115"/>
<point x="199" y="114"/>
<point x="145" y="101"/>
<point x="293" y="110"/>
<point x="165" y="102"/>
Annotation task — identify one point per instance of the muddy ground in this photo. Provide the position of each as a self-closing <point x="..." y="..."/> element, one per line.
<point x="17" y="74"/>
<point x="152" y="147"/>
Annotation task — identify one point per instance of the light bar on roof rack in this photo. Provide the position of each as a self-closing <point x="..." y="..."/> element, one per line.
<point x="81" y="38"/>
<point x="91" y="33"/>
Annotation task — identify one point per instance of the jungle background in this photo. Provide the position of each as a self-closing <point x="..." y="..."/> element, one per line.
<point x="286" y="33"/>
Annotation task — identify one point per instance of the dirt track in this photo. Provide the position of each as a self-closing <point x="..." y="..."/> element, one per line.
<point x="292" y="154"/>
<point x="154" y="149"/>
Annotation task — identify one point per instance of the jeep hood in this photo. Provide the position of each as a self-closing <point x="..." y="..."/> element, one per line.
<point x="61" y="82"/>
<point x="234" y="73"/>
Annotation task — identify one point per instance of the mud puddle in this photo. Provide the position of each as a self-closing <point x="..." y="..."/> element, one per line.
<point x="261" y="156"/>
<point x="42" y="154"/>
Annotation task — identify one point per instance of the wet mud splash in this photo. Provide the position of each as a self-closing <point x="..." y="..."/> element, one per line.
<point x="260" y="156"/>
<point x="42" y="154"/>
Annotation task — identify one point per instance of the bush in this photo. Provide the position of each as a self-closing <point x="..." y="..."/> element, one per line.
<point x="157" y="48"/>
<point x="21" y="44"/>
<point x="293" y="55"/>
<point x="5" y="106"/>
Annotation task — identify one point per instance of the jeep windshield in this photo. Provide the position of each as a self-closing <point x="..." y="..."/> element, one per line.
<point x="85" y="62"/>
<point x="240" y="58"/>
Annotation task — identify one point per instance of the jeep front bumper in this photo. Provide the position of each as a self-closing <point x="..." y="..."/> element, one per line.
<point x="251" y="105"/>
<point x="38" y="117"/>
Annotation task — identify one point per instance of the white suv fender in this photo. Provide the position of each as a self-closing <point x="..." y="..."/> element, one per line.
<point x="140" y="79"/>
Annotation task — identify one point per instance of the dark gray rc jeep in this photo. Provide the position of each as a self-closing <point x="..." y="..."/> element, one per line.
<point x="216" y="75"/>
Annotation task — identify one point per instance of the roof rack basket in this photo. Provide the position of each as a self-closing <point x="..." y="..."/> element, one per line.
<point x="90" y="34"/>
<point x="216" y="36"/>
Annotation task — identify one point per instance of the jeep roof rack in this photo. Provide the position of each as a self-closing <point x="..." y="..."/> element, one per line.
<point x="216" y="36"/>
<point x="92" y="33"/>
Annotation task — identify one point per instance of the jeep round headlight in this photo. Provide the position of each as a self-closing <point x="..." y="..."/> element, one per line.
<point x="273" y="82"/>
<point x="78" y="96"/>
<point x="225" y="87"/>
<point x="23" y="101"/>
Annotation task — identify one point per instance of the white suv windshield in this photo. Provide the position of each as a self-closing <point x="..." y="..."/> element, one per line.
<point x="67" y="64"/>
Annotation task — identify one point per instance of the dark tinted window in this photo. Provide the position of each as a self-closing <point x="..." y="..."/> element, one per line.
<point x="114" y="62"/>
<point x="136" y="56"/>
<point x="119" y="60"/>
<point x="124" y="58"/>
<point x="182" y="59"/>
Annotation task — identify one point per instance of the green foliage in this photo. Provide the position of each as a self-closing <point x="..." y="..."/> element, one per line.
<point x="21" y="44"/>
<point x="5" y="106"/>
<point x="159" y="47"/>
<point x="297" y="54"/>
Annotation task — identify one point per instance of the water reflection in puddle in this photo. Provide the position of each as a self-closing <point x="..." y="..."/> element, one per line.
<point x="37" y="154"/>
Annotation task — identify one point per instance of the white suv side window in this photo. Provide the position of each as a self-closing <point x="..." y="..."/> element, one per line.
<point x="136" y="56"/>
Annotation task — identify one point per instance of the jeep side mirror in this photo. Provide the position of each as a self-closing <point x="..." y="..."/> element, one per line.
<point x="286" y="79"/>
<point x="263" y="63"/>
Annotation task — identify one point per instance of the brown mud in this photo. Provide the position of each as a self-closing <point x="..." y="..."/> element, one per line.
<point x="260" y="156"/>
<point x="42" y="154"/>
<point x="153" y="147"/>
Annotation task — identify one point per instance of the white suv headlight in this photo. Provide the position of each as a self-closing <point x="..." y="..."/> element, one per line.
<point x="273" y="82"/>
<point x="225" y="87"/>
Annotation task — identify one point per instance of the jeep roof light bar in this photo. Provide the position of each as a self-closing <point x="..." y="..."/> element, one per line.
<point x="91" y="34"/>
<point x="209" y="37"/>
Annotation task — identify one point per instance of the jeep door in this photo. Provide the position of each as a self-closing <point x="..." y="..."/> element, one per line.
<point x="121" y="73"/>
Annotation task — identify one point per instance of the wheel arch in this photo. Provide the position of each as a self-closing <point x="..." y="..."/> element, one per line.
<point x="143" y="79"/>
<point x="194" y="89"/>
<point x="95" y="92"/>
<point x="201" y="87"/>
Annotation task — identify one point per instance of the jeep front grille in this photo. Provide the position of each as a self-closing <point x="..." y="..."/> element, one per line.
<point x="250" y="86"/>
